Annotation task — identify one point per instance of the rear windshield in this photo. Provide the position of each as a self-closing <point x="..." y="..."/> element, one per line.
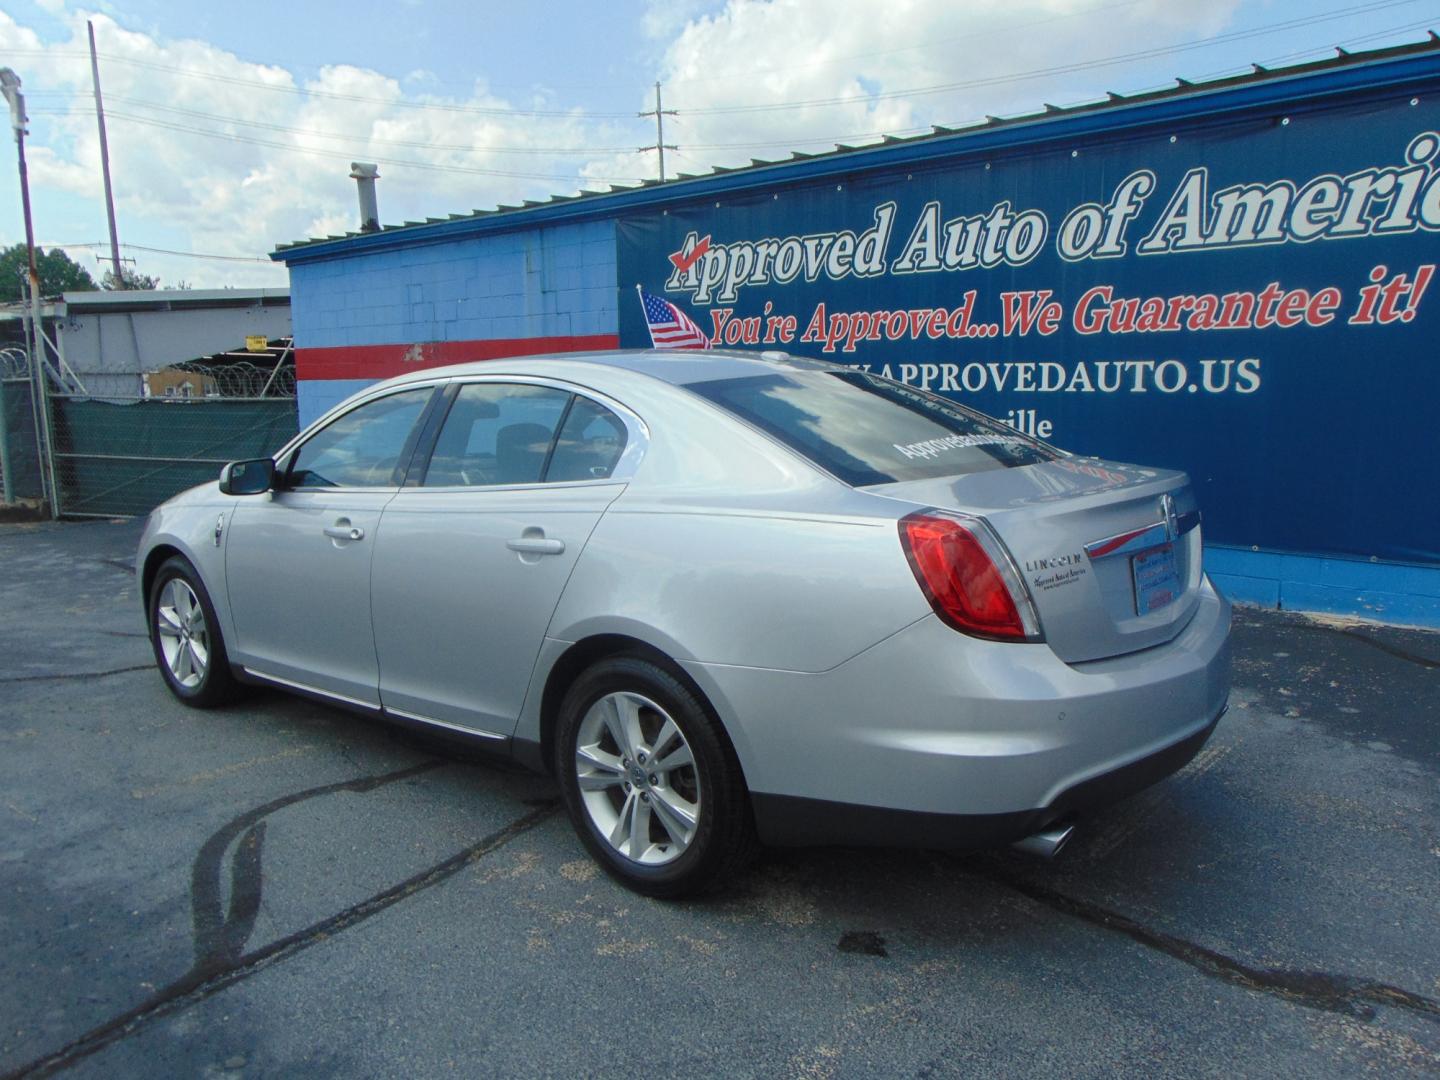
<point x="868" y="430"/>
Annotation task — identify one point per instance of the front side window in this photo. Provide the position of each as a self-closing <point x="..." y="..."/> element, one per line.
<point x="364" y="447"/>
<point x="867" y="430"/>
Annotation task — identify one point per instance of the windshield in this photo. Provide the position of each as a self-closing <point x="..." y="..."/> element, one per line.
<point x="868" y="430"/>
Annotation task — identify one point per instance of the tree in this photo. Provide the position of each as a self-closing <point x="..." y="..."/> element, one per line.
<point x="58" y="273"/>
<point x="129" y="279"/>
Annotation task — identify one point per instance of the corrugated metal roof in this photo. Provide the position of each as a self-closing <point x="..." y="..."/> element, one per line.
<point x="109" y="301"/>
<point x="143" y="299"/>
<point x="888" y="149"/>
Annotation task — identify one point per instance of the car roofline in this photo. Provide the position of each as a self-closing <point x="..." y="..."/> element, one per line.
<point x="677" y="367"/>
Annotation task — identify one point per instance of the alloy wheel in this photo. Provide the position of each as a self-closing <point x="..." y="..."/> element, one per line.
<point x="181" y="631"/>
<point x="637" y="778"/>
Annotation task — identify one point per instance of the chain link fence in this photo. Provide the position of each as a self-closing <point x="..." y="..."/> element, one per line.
<point x="124" y="456"/>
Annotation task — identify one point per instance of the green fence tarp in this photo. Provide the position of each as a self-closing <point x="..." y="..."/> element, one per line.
<point x="127" y="458"/>
<point x="24" y="458"/>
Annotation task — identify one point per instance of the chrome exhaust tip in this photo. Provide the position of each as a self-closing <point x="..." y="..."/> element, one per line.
<point x="1047" y="844"/>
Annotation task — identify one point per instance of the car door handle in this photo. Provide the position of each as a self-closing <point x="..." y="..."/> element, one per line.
<point x="344" y="532"/>
<point x="536" y="545"/>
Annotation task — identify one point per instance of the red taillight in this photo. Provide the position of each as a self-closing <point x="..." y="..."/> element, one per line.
<point x="966" y="586"/>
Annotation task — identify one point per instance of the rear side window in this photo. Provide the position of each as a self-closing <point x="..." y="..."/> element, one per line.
<point x="868" y="430"/>
<point x="512" y="433"/>
<point x="590" y="443"/>
<point x="496" y="433"/>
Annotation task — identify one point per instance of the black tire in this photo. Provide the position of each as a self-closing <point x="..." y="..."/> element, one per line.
<point x="723" y="840"/>
<point x="216" y="684"/>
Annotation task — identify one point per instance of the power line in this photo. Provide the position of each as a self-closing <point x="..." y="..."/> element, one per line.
<point x="342" y="155"/>
<point x="1217" y="39"/>
<point x="924" y="129"/>
<point x="1362" y="39"/>
<point x="801" y="139"/>
<point x="989" y="81"/>
<point x="584" y="150"/>
<point x="723" y="75"/>
<point x="166" y="251"/>
<point x="750" y="74"/>
<point x="927" y="128"/>
<point x="747" y="73"/>
<point x="334" y="95"/>
<point x="430" y="166"/>
<point x="468" y="148"/>
<point x="369" y="139"/>
<point x="1231" y="72"/>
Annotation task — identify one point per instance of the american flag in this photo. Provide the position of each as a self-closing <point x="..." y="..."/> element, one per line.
<point x="670" y="328"/>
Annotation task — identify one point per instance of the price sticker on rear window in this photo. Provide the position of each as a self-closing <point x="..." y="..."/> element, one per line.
<point x="1156" y="581"/>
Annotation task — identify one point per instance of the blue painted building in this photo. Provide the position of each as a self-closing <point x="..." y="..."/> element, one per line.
<point x="1236" y="278"/>
<point x="367" y="316"/>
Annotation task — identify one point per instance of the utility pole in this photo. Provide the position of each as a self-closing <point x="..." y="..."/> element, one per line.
<point x="39" y="391"/>
<point x="105" y="160"/>
<point x="660" y="144"/>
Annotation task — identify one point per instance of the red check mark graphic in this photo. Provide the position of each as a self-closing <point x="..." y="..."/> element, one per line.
<point x="683" y="262"/>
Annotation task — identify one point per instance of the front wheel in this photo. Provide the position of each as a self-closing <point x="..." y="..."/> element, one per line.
<point x="185" y="636"/>
<point x="652" y="785"/>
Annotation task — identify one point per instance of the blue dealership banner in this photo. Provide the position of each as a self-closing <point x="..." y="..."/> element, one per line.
<point x="1252" y="302"/>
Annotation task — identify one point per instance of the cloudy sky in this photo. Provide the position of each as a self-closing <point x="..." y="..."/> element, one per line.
<point x="231" y="126"/>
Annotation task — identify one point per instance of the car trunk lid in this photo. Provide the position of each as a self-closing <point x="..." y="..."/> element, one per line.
<point x="1110" y="553"/>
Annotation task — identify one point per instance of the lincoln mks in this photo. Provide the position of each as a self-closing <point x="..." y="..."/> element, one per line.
<point x="725" y="598"/>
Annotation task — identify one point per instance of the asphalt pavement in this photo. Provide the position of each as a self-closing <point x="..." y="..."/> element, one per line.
<point x="280" y="888"/>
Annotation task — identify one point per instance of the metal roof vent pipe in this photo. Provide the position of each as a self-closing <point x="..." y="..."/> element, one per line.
<point x="365" y="174"/>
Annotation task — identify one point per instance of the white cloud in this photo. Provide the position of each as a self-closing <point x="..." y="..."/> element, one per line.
<point x="283" y="174"/>
<point x="763" y="52"/>
<point x="278" y="170"/>
<point x="663" y="19"/>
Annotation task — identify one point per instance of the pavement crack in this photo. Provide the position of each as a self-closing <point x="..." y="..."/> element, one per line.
<point x="1376" y="643"/>
<point x="76" y="676"/>
<point x="1343" y="994"/>
<point x="119" y="564"/>
<point x="220" y="959"/>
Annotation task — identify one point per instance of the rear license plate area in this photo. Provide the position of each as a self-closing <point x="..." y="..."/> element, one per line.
<point x="1157" y="582"/>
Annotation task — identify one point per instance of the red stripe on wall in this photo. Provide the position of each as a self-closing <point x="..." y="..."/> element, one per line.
<point x="383" y="361"/>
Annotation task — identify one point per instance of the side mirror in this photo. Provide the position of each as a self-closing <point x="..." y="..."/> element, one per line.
<point x="247" y="477"/>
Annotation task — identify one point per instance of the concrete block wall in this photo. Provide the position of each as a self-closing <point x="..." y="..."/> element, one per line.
<point x="1384" y="591"/>
<point x="366" y="317"/>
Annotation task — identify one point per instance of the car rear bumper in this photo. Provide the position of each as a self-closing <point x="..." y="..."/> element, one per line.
<point x="932" y="734"/>
<point x="788" y="821"/>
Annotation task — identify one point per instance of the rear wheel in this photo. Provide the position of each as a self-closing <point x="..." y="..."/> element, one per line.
<point x="185" y="636"/>
<point x="652" y="785"/>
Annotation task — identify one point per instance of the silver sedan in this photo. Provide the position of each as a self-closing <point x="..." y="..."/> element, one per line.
<point x="725" y="598"/>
